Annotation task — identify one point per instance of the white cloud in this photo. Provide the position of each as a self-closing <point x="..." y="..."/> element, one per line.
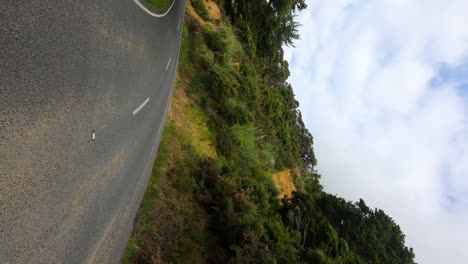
<point x="363" y="72"/>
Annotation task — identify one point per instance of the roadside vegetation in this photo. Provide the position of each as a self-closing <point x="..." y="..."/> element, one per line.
<point x="161" y="4"/>
<point x="234" y="179"/>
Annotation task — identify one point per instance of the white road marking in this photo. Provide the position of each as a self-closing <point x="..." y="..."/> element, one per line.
<point x="142" y="180"/>
<point x="93" y="135"/>
<point x="151" y="13"/>
<point x="169" y="62"/>
<point x="178" y="25"/>
<point x="141" y="106"/>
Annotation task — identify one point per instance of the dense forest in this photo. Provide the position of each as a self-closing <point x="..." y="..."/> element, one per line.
<point x="234" y="122"/>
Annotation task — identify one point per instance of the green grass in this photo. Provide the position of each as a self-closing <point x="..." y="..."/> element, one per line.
<point x="160" y="3"/>
<point x="129" y="251"/>
<point x="151" y="194"/>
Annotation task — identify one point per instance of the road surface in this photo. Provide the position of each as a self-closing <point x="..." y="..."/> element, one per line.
<point x="84" y="89"/>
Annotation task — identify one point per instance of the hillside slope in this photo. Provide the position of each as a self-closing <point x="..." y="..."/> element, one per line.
<point x="234" y="145"/>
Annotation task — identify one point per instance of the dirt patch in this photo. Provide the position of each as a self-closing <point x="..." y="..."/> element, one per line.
<point x="284" y="183"/>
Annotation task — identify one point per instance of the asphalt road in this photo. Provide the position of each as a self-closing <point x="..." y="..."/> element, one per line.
<point x="68" y="68"/>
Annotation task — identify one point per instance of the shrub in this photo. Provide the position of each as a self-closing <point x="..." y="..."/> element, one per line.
<point x="224" y="84"/>
<point x="216" y="41"/>
<point x="236" y="112"/>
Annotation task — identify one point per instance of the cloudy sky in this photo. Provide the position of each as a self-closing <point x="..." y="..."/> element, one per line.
<point x="383" y="87"/>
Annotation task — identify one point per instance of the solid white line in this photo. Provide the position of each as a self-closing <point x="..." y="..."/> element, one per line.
<point x="141" y="106"/>
<point x="151" y="13"/>
<point x="169" y="62"/>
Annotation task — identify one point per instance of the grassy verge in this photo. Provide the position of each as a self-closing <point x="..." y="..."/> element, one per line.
<point x="162" y="4"/>
<point x="172" y="225"/>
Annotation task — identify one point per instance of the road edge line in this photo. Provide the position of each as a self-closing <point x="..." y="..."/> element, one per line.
<point x="152" y="13"/>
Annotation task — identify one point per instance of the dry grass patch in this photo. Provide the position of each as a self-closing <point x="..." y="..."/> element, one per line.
<point x="190" y="121"/>
<point x="213" y="10"/>
<point x="284" y="182"/>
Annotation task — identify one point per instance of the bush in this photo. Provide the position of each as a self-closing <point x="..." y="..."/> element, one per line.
<point x="225" y="142"/>
<point x="250" y="45"/>
<point x="317" y="256"/>
<point x="236" y="112"/>
<point x="224" y="84"/>
<point x="215" y="39"/>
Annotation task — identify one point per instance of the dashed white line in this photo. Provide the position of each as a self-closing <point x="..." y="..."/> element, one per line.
<point x="169" y="62"/>
<point x="141" y="106"/>
<point x="151" y="13"/>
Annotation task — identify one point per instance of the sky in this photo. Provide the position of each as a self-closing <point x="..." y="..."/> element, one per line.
<point x="383" y="88"/>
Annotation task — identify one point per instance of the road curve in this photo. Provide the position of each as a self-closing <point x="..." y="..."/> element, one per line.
<point x="84" y="89"/>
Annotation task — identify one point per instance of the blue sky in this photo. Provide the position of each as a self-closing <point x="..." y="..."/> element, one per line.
<point x="383" y="87"/>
